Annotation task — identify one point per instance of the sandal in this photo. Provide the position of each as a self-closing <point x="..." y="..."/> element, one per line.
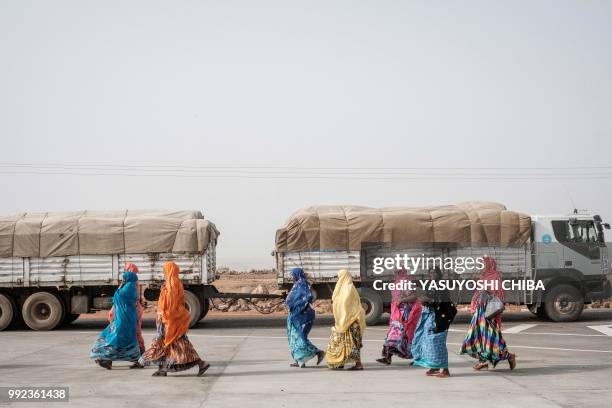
<point x="293" y="365"/>
<point x="512" y="361"/>
<point x="384" y="360"/>
<point x="203" y="369"/>
<point x="432" y="372"/>
<point x="105" y="364"/>
<point x="136" y="365"/>
<point x="481" y="366"/>
<point x="159" y="374"/>
<point x="443" y="374"/>
<point x="356" y="368"/>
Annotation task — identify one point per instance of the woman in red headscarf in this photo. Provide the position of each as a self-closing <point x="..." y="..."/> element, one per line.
<point x="405" y="314"/>
<point x="171" y="350"/>
<point x="131" y="267"/>
<point x="484" y="340"/>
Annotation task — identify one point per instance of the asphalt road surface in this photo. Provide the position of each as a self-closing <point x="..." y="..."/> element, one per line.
<point x="559" y="365"/>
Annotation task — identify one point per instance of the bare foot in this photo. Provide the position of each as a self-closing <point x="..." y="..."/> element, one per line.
<point x="432" y="371"/>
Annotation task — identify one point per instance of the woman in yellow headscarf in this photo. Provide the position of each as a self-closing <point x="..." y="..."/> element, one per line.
<point x="345" y="344"/>
<point x="171" y="349"/>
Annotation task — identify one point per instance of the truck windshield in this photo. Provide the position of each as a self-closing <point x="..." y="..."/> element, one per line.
<point x="582" y="231"/>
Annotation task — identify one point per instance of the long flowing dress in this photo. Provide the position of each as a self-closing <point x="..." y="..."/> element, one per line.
<point x="119" y="340"/>
<point x="484" y="340"/>
<point x="402" y="322"/>
<point x="131" y="267"/>
<point x="429" y="344"/>
<point x="402" y="326"/>
<point x="300" y="319"/>
<point x="171" y="349"/>
<point x="345" y="341"/>
<point x="429" y="348"/>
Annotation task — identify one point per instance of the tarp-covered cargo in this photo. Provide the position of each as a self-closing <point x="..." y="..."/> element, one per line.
<point x="350" y="227"/>
<point x="105" y="233"/>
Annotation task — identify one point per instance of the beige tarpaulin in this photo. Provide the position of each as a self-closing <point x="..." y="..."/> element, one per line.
<point x="105" y="233"/>
<point x="349" y="227"/>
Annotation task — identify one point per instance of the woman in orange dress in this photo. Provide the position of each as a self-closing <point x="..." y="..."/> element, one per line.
<point x="171" y="350"/>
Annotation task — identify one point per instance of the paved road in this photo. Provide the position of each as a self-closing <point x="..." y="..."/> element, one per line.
<point x="567" y="365"/>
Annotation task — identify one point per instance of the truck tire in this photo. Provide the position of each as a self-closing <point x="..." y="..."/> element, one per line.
<point x="372" y="304"/>
<point x="7" y="311"/>
<point x="564" y="303"/>
<point x="205" y="307"/>
<point x="192" y="304"/>
<point x="43" y="311"/>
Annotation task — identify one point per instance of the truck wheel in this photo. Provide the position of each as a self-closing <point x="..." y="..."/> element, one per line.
<point x="7" y="311"/>
<point x="372" y="304"/>
<point x="42" y="311"/>
<point x="205" y="307"/>
<point x="192" y="304"/>
<point x="564" y="303"/>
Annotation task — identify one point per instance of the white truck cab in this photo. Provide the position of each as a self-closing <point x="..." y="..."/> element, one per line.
<point x="570" y="256"/>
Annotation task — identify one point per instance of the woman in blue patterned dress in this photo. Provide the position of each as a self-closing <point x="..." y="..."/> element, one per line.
<point x="429" y="344"/>
<point x="299" y="322"/>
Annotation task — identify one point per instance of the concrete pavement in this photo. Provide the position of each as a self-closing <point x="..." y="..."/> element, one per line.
<point x="559" y="365"/>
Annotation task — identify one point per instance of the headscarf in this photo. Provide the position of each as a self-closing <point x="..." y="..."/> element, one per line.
<point x="125" y="316"/>
<point x="489" y="274"/>
<point x="347" y="303"/>
<point x="300" y="295"/>
<point x="398" y="294"/>
<point x="171" y="305"/>
<point x="130" y="267"/>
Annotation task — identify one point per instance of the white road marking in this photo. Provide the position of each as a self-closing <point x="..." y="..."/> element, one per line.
<point x="564" y="334"/>
<point x="521" y="332"/>
<point x="378" y="341"/>
<point x="242" y="336"/>
<point x="605" y="329"/>
<point x="519" y="328"/>
<point x="512" y="346"/>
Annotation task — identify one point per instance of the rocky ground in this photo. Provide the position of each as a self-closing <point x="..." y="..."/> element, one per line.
<point x="265" y="282"/>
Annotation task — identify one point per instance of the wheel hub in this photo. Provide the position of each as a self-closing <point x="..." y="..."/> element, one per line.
<point x="42" y="311"/>
<point x="565" y="304"/>
<point x="367" y="306"/>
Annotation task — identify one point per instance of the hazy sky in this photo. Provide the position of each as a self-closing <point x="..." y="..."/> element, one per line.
<point x="305" y="84"/>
